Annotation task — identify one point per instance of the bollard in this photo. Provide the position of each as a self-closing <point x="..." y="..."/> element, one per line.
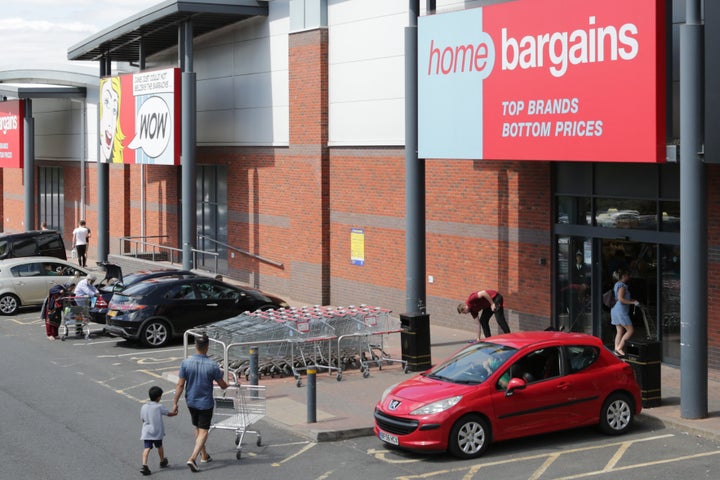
<point x="254" y="368"/>
<point x="311" y="396"/>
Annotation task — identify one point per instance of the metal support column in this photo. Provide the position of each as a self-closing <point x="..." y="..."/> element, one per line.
<point x="103" y="186"/>
<point x="693" y="214"/>
<point x="189" y="132"/>
<point x="29" y="166"/>
<point x="414" y="177"/>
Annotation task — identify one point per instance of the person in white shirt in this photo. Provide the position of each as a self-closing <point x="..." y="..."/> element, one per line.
<point x="85" y="290"/>
<point x="81" y="237"/>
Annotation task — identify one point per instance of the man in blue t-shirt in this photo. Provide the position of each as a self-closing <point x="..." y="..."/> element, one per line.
<point x="198" y="373"/>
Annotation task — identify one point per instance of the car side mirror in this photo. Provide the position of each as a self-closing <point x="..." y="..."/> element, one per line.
<point x="515" y="384"/>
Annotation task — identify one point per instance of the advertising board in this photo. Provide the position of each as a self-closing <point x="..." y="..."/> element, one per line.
<point x="140" y="118"/>
<point x="544" y="80"/>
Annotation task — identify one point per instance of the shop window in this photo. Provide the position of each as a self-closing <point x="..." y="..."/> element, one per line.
<point x="623" y="213"/>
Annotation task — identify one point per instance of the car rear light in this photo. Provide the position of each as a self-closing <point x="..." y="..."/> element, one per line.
<point x="100" y="303"/>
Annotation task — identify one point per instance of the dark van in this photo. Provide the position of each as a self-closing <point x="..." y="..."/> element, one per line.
<point x="32" y="243"/>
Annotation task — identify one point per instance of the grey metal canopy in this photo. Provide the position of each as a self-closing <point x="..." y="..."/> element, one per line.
<point x="156" y="28"/>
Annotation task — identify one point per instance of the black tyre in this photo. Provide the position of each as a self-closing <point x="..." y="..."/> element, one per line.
<point x="155" y="333"/>
<point x="9" y="304"/>
<point x="617" y="414"/>
<point x="469" y="437"/>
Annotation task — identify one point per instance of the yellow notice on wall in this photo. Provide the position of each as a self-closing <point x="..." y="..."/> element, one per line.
<point x="357" y="246"/>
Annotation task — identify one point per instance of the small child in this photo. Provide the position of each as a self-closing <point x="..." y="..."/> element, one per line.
<point x="153" y="429"/>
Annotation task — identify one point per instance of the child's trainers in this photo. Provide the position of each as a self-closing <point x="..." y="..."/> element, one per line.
<point x="145" y="470"/>
<point x="164" y="463"/>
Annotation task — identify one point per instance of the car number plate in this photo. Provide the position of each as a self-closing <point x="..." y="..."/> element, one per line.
<point x="386" y="437"/>
<point x="112" y="313"/>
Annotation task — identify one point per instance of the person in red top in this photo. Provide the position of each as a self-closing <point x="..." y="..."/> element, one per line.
<point x="487" y="302"/>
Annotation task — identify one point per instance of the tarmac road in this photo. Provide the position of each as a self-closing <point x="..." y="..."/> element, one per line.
<point x="71" y="410"/>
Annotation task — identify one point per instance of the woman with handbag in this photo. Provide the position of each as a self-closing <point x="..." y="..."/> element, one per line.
<point x="620" y="312"/>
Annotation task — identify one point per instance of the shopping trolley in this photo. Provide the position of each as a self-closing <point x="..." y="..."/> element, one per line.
<point x="75" y="315"/>
<point x="237" y="408"/>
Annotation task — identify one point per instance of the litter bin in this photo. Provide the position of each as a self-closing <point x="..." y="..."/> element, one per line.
<point x="645" y="357"/>
<point x="415" y="340"/>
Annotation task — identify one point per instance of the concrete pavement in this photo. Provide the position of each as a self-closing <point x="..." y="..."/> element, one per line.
<point x="345" y="408"/>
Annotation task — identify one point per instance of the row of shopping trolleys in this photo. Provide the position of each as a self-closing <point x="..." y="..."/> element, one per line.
<point x="289" y="341"/>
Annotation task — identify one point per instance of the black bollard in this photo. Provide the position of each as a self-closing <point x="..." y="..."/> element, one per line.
<point x="253" y="375"/>
<point x="311" y="396"/>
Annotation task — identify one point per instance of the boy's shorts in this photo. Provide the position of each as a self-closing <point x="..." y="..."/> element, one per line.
<point x="151" y="443"/>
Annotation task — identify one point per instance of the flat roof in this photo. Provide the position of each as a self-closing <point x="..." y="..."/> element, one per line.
<point x="156" y="28"/>
<point x="46" y="83"/>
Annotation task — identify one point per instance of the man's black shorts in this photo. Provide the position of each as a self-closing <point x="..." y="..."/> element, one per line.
<point x="201" y="418"/>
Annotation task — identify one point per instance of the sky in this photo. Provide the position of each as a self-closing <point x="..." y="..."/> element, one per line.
<point x="38" y="33"/>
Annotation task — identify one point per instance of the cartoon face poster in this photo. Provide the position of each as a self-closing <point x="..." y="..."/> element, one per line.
<point x="140" y="118"/>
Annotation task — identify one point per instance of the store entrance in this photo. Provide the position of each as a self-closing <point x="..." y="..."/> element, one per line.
<point x="585" y="269"/>
<point x="640" y="261"/>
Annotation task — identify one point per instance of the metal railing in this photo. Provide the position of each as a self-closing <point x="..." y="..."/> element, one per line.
<point x="140" y="247"/>
<point x="241" y="251"/>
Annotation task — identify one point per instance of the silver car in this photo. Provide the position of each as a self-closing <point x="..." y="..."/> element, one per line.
<point x="24" y="282"/>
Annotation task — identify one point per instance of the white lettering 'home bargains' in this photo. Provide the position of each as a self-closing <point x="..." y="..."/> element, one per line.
<point x="557" y="49"/>
<point x="8" y="122"/>
<point x="576" y="47"/>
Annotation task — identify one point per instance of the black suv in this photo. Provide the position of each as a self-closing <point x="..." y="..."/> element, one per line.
<point x="48" y="243"/>
<point x="155" y="310"/>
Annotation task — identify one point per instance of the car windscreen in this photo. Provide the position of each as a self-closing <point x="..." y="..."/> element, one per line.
<point x="473" y="364"/>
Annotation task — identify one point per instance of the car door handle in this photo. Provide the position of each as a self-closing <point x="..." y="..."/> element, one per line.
<point x="563" y="386"/>
<point x="211" y="304"/>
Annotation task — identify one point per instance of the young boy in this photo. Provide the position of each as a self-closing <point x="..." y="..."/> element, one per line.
<point x="153" y="429"/>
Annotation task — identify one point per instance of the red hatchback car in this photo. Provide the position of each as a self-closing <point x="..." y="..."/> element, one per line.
<point x="510" y="386"/>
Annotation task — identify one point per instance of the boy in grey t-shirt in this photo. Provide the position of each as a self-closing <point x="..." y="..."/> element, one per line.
<point x="153" y="429"/>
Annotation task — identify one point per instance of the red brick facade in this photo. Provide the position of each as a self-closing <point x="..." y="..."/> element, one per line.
<point x="488" y="223"/>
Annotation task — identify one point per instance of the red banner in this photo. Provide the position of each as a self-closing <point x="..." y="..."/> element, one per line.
<point x="12" y="134"/>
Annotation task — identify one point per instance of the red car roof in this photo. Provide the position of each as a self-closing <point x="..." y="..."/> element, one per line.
<point x="523" y="339"/>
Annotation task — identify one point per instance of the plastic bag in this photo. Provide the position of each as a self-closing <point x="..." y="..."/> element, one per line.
<point x="73" y="253"/>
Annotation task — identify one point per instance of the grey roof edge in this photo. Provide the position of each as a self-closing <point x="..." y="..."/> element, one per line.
<point x="167" y="8"/>
<point x="50" y="77"/>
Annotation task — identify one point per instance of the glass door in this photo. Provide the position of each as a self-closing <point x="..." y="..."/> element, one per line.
<point x="574" y="288"/>
<point x="640" y="261"/>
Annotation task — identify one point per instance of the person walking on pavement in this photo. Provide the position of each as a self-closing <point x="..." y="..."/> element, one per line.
<point x="488" y="302"/>
<point x="153" y="429"/>
<point x="81" y="237"/>
<point x="196" y="377"/>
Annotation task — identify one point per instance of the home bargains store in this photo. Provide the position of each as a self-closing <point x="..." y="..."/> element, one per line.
<point x="543" y="146"/>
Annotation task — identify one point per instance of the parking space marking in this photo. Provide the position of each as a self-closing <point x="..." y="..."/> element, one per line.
<point x="123" y="393"/>
<point x="31" y="322"/>
<point x="640" y="465"/>
<point x="148" y="352"/>
<point x="296" y="454"/>
<point x="550" y="458"/>
<point x="543" y="468"/>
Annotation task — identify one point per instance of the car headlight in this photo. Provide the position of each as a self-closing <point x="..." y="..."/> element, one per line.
<point x="437" y="407"/>
<point x="387" y="392"/>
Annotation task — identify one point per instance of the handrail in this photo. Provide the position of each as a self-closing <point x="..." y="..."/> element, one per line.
<point x="172" y="250"/>
<point x="244" y="252"/>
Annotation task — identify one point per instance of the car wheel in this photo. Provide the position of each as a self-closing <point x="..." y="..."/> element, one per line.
<point x="469" y="437"/>
<point x="617" y="414"/>
<point x="9" y="304"/>
<point x="155" y="333"/>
